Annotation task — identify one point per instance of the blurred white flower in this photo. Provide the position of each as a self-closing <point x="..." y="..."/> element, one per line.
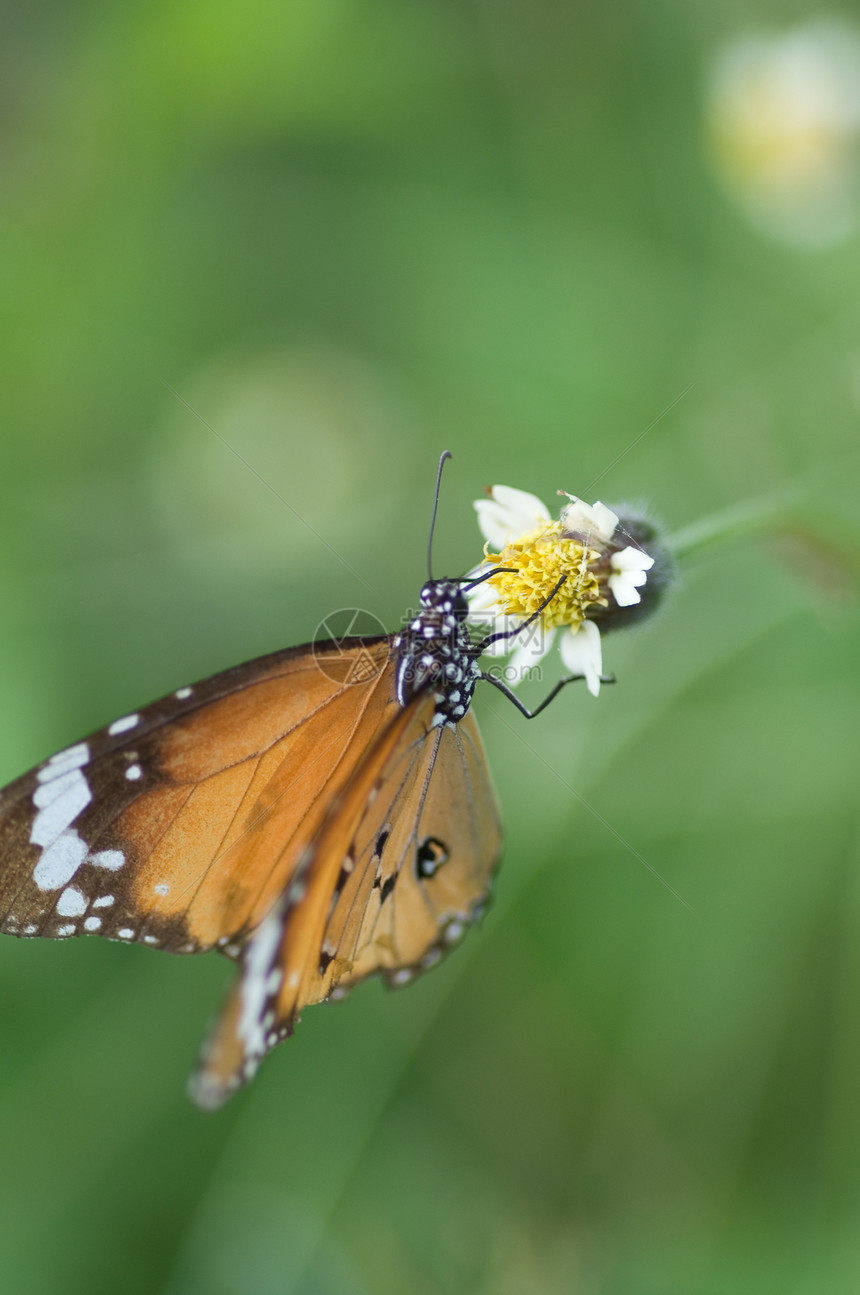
<point x="783" y="114"/>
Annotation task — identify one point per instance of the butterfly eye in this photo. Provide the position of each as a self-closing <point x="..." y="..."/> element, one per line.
<point x="430" y="857"/>
<point x="460" y="605"/>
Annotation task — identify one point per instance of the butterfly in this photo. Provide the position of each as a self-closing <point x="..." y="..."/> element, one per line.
<point x="319" y="815"/>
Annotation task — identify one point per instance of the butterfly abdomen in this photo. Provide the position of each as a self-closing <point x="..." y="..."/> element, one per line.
<point x="436" y="653"/>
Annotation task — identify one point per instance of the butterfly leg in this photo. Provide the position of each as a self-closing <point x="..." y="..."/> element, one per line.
<point x="488" y="575"/>
<point x="523" y="709"/>
<point x="518" y="629"/>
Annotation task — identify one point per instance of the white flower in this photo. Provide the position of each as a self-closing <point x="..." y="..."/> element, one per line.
<point x="519" y="523"/>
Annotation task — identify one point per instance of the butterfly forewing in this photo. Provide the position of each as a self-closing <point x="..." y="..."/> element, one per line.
<point x="180" y="826"/>
<point x="400" y="866"/>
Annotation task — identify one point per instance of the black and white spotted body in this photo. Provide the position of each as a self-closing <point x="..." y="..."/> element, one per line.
<point x="436" y="651"/>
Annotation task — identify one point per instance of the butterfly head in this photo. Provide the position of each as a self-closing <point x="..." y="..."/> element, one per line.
<point x="446" y="598"/>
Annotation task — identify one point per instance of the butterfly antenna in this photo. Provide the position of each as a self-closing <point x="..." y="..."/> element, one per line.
<point x="446" y="454"/>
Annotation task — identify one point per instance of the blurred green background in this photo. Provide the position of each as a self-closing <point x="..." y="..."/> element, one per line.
<point x="350" y="235"/>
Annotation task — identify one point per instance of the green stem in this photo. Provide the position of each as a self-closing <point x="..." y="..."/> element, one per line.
<point x="737" y="522"/>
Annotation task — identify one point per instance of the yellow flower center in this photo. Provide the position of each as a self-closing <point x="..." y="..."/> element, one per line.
<point x="541" y="557"/>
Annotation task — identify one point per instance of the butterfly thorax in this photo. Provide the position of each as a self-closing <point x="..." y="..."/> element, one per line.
<point x="436" y="652"/>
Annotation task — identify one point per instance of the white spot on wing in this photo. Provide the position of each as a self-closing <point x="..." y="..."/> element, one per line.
<point x="71" y="903"/>
<point x="125" y="933"/>
<point x="48" y="792"/>
<point x="261" y="951"/>
<point x="123" y="725"/>
<point x="68" y="929"/>
<point x="103" y="901"/>
<point x="63" y="761"/>
<point x="110" y="859"/>
<point x="92" y="923"/>
<point x="59" y="803"/>
<point x="182" y="693"/>
<point x="59" y="863"/>
<point x="162" y="888"/>
<point x="133" y="772"/>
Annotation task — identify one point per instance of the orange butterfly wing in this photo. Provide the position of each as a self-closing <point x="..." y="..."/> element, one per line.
<point x="180" y="826"/>
<point x="401" y="864"/>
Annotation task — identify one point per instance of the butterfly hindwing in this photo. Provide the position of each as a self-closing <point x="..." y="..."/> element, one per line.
<point x="180" y="825"/>
<point x="429" y="867"/>
<point x="400" y="866"/>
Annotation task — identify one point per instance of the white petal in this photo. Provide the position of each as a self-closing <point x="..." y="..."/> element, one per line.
<point x="581" y="653"/>
<point x="528" y="655"/>
<point x="629" y="571"/>
<point x="526" y="511"/>
<point x="491" y="622"/>
<point x="624" y="589"/>
<point x="503" y="624"/>
<point x="508" y="512"/>
<point x="592" y="519"/>
<point x="606" y="520"/>
<point x="481" y="598"/>
<point x="631" y="559"/>
<point x="493" y="522"/>
<point x="533" y="641"/>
